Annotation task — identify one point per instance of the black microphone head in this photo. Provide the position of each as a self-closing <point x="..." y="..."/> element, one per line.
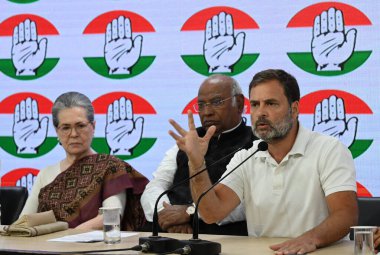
<point x="262" y="146"/>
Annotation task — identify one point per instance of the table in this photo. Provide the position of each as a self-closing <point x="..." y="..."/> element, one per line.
<point x="231" y="245"/>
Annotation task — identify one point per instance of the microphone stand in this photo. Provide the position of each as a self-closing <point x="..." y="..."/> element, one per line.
<point x="203" y="247"/>
<point x="158" y="244"/>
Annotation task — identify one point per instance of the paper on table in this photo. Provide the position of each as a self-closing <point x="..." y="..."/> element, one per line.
<point x="88" y="237"/>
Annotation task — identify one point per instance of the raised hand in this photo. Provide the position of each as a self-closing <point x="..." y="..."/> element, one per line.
<point x="27" y="181"/>
<point x="330" y="119"/>
<point x="331" y="46"/>
<point x="194" y="146"/>
<point x="221" y="48"/>
<point x="121" y="51"/>
<point x="28" y="53"/>
<point x="123" y="133"/>
<point x="28" y="131"/>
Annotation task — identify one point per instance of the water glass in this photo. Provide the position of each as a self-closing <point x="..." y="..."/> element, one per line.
<point x="363" y="238"/>
<point x="111" y="224"/>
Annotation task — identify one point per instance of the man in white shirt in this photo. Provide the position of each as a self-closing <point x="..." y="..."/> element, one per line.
<point x="303" y="187"/>
<point x="220" y="104"/>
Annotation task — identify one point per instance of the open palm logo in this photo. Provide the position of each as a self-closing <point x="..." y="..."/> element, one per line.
<point x="26" y="121"/>
<point x="123" y="54"/>
<point x="219" y="47"/>
<point x="28" y="47"/>
<point x="334" y="29"/>
<point x="121" y="118"/>
<point x="339" y="114"/>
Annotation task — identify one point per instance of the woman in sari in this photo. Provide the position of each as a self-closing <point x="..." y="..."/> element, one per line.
<point x="77" y="186"/>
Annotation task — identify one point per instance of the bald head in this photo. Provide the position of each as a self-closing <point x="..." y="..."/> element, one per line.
<point x="224" y="81"/>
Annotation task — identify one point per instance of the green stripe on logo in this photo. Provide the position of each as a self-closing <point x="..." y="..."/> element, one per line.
<point x="306" y="62"/>
<point x="98" y="65"/>
<point x="359" y="147"/>
<point x="22" y="1"/>
<point x="100" y="145"/>
<point x="8" y="144"/>
<point x="199" y="65"/>
<point x="6" y="66"/>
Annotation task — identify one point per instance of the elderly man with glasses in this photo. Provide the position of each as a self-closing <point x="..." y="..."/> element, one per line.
<point x="221" y="104"/>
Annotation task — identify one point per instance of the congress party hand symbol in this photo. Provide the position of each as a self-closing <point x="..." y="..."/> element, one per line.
<point x="330" y="119"/>
<point x="221" y="48"/>
<point x="121" y="51"/>
<point x="28" y="131"/>
<point x="26" y="181"/>
<point x="28" y="53"/>
<point x="123" y="133"/>
<point x="331" y="46"/>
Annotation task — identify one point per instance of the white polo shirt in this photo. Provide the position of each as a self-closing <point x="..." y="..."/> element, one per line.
<point x="288" y="199"/>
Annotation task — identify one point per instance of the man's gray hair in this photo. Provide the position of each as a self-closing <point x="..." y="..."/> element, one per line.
<point x="236" y="89"/>
<point x="70" y="100"/>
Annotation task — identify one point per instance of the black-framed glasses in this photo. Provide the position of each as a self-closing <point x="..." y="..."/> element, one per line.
<point x="215" y="103"/>
<point x="79" y="127"/>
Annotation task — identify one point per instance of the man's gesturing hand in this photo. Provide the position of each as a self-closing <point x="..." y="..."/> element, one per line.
<point x="194" y="146"/>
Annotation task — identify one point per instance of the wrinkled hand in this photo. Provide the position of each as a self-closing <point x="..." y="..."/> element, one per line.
<point x="121" y="51"/>
<point x="172" y="215"/>
<point x="27" y="53"/>
<point x="376" y="240"/>
<point x="330" y="119"/>
<point x="330" y="46"/>
<point x="26" y="181"/>
<point x="28" y="131"/>
<point x="123" y="133"/>
<point x="188" y="141"/>
<point x="299" y="245"/>
<point x="221" y="48"/>
<point x="183" y="229"/>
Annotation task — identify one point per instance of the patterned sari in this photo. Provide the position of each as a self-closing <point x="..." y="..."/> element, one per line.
<point x="76" y="194"/>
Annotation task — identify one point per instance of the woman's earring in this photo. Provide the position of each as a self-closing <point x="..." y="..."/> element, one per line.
<point x="59" y="141"/>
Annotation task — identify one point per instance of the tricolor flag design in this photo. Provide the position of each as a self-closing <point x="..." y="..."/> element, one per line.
<point x="9" y="121"/>
<point x="140" y="109"/>
<point x="117" y="41"/>
<point x="304" y="23"/>
<point x="17" y="41"/>
<point x="354" y="107"/>
<point x="193" y="39"/>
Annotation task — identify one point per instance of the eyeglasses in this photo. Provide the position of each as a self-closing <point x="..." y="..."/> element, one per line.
<point x="215" y="103"/>
<point x="79" y="128"/>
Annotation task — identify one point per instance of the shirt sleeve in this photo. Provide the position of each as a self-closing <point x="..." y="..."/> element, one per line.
<point x="338" y="169"/>
<point x="162" y="180"/>
<point x="43" y="178"/>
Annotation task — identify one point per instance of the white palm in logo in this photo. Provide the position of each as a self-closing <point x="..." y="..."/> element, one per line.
<point x="331" y="46"/>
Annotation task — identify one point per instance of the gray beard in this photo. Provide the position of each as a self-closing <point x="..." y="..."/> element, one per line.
<point x="277" y="131"/>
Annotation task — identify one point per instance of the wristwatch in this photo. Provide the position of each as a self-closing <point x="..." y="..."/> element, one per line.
<point x="190" y="210"/>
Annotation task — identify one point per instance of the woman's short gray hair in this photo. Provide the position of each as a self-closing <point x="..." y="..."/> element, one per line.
<point x="70" y="100"/>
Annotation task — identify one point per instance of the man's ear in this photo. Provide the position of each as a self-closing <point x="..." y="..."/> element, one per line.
<point x="240" y="103"/>
<point x="295" y="108"/>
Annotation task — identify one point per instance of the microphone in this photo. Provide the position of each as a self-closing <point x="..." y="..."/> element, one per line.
<point x="203" y="247"/>
<point x="158" y="244"/>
